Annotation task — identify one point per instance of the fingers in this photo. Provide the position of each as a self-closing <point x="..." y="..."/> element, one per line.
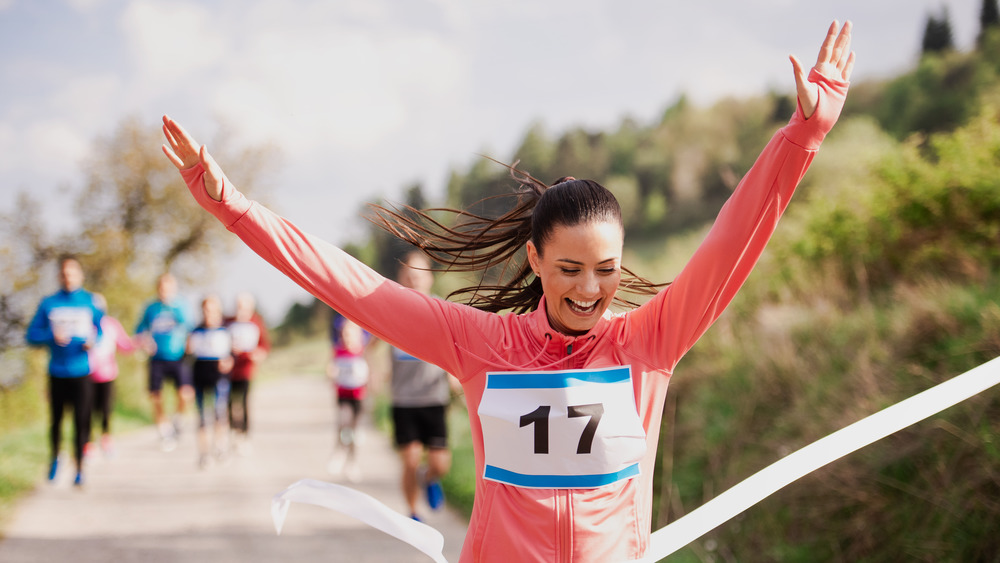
<point x="181" y="148"/>
<point x="798" y="69"/>
<point x="826" y="50"/>
<point x="835" y="54"/>
<point x="213" y="174"/>
<point x="842" y="47"/>
<point x="173" y="158"/>
<point x="849" y="67"/>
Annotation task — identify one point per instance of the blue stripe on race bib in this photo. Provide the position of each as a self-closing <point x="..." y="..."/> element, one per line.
<point x="559" y="481"/>
<point x="556" y="379"/>
<point x="404" y="356"/>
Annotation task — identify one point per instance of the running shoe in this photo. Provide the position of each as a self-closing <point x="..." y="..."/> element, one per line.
<point x="53" y="469"/>
<point x="168" y="437"/>
<point x="415" y="517"/>
<point x="168" y="443"/>
<point x="435" y="495"/>
<point x="78" y="481"/>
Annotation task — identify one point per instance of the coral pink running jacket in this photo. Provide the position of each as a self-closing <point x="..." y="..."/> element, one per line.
<point x="575" y="519"/>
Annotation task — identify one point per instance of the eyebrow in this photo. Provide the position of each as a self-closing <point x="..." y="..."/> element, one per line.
<point x="578" y="263"/>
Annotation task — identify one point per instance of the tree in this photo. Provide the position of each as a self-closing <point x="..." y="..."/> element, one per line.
<point x="989" y="16"/>
<point x="136" y="220"/>
<point x="937" y="34"/>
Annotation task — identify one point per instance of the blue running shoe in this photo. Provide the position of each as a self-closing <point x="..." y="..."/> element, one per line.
<point x="435" y="495"/>
<point x="53" y="469"/>
<point x="78" y="482"/>
<point x="415" y="517"/>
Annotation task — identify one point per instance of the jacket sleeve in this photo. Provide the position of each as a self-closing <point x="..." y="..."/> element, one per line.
<point x="39" y="331"/>
<point x="669" y="324"/>
<point x="429" y="328"/>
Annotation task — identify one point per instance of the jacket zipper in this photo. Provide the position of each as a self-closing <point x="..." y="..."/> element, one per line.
<point x="564" y="523"/>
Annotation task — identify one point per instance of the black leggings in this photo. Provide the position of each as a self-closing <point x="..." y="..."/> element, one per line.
<point x="103" y="401"/>
<point x="239" y="415"/>
<point x="77" y="392"/>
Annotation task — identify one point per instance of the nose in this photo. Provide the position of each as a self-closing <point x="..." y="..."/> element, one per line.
<point x="588" y="285"/>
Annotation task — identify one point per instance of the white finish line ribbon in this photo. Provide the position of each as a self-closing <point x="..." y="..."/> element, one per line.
<point x="363" y="507"/>
<point x="762" y="484"/>
<point x="700" y="521"/>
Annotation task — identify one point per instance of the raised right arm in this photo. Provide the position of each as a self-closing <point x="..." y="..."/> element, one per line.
<point x="429" y="328"/>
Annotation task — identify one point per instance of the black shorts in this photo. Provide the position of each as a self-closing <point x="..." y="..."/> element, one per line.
<point x="174" y="370"/>
<point x="426" y="425"/>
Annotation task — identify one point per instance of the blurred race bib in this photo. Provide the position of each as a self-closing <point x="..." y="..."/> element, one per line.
<point x="74" y="322"/>
<point x="211" y="344"/>
<point x="246" y="336"/>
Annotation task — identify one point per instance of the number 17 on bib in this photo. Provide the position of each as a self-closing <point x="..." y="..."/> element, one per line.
<point x="561" y="429"/>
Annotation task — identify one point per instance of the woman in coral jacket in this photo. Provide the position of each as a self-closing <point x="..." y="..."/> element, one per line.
<point x="565" y="398"/>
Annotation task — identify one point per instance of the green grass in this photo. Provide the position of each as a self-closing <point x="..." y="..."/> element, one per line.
<point x="24" y="424"/>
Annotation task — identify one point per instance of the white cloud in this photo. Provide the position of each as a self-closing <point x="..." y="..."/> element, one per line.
<point x="86" y="5"/>
<point x="316" y="85"/>
<point x="55" y="143"/>
<point x="170" y="41"/>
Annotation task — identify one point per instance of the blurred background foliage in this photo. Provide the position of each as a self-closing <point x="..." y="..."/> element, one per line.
<point x="882" y="280"/>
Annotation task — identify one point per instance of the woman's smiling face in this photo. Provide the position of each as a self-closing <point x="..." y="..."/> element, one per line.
<point x="580" y="269"/>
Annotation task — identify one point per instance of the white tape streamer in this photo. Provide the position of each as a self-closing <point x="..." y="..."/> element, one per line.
<point x="762" y="484"/>
<point x="363" y="507"/>
<point x="700" y="521"/>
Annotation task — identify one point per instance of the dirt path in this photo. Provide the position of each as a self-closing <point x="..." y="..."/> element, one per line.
<point x="153" y="506"/>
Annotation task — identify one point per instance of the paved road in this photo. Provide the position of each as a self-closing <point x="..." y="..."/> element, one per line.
<point x="158" y="507"/>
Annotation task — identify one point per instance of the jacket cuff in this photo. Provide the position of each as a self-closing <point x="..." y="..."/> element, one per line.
<point x="809" y="133"/>
<point x="233" y="205"/>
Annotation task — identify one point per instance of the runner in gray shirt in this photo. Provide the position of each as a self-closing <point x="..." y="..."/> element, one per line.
<point x="420" y="396"/>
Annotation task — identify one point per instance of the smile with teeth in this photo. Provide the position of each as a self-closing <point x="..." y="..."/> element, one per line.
<point x="582" y="306"/>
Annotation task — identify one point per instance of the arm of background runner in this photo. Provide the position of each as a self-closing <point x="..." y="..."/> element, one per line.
<point x="39" y="331"/>
<point x="672" y="322"/>
<point x="123" y="342"/>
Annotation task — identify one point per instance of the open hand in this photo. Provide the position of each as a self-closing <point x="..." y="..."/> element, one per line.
<point x="184" y="152"/>
<point x="835" y="60"/>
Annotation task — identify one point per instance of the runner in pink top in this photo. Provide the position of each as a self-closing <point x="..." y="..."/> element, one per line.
<point x="104" y="370"/>
<point x="565" y="399"/>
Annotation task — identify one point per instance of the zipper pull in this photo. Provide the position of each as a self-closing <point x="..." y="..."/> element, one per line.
<point x="569" y="348"/>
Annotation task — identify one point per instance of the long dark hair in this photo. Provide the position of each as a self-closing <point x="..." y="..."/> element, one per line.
<point x="475" y="243"/>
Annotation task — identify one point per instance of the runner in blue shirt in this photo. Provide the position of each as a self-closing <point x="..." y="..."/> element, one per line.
<point x="163" y="331"/>
<point x="68" y="323"/>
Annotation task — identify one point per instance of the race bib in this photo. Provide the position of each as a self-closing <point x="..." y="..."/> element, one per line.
<point x="572" y="429"/>
<point x="352" y="372"/>
<point x="210" y="344"/>
<point x="246" y="336"/>
<point x="163" y="323"/>
<point x="74" y="322"/>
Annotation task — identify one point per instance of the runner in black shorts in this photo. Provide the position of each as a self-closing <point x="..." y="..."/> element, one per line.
<point x="211" y="345"/>
<point x="175" y="371"/>
<point x="420" y="396"/>
<point x="163" y="331"/>
<point x="426" y="425"/>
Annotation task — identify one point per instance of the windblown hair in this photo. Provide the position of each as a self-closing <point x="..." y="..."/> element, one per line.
<point x="494" y="247"/>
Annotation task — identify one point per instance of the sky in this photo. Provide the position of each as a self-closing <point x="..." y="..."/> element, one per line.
<point x="362" y="99"/>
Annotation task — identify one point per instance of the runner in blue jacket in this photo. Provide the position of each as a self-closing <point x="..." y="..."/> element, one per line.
<point x="68" y="322"/>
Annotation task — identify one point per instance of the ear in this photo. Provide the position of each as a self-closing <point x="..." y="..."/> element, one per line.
<point x="533" y="259"/>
